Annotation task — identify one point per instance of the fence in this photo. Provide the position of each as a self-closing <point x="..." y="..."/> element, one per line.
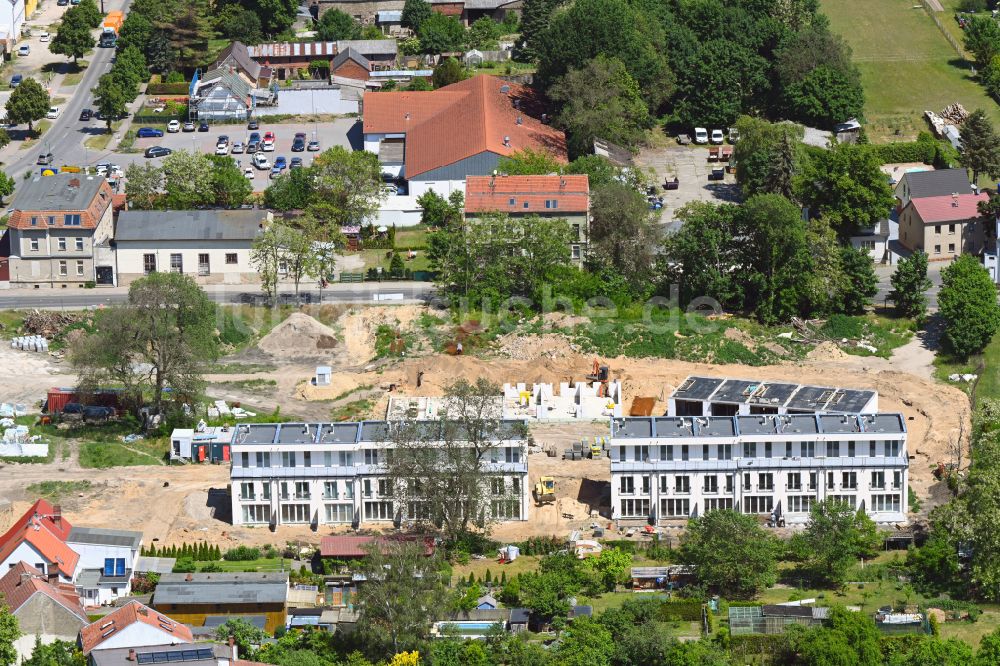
<point x="947" y="35"/>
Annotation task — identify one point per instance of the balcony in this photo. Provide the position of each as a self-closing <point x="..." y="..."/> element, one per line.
<point x="302" y="496"/>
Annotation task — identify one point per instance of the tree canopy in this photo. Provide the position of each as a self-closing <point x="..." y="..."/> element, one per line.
<point x="968" y="306"/>
<point x="732" y="554"/>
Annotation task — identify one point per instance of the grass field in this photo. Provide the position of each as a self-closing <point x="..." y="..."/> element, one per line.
<point x="986" y="365"/>
<point x="907" y="66"/>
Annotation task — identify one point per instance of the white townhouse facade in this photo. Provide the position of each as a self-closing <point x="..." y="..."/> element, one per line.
<point x="334" y="473"/>
<point x="675" y="468"/>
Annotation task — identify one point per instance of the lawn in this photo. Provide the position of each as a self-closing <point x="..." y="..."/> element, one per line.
<point x="101" y="455"/>
<point x="54" y="491"/>
<point x="271" y="564"/>
<point x="986" y="365"/>
<point x="522" y="564"/>
<point x="907" y="65"/>
<point x="410" y="238"/>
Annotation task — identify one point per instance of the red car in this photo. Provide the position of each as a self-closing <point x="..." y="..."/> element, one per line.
<point x="268" y="136"/>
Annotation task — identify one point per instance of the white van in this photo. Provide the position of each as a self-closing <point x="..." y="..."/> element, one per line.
<point x="700" y="135"/>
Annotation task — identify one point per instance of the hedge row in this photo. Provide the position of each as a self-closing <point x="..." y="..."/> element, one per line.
<point x="168" y="88"/>
<point x="685" y="611"/>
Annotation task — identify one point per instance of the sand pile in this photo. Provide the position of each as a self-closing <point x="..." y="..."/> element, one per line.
<point x="298" y="336"/>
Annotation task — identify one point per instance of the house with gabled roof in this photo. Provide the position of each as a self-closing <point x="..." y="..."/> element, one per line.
<point x="944" y="226"/>
<point x="436" y="139"/>
<point x="931" y="183"/>
<point x="46" y="610"/>
<point x="38" y="537"/>
<point x="130" y="626"/>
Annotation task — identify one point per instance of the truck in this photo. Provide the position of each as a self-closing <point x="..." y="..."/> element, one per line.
<point x="111" y="27"/>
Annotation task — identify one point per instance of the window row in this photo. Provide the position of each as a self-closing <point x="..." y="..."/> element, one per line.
<point x="149" y="262"/>
<point x="669" y="452"/>
<point x="62" y="244"/>
<point x="755" y="481"/>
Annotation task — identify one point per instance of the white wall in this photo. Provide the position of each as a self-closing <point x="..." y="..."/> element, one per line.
<point x="442" y="187"/>
<point x="27" y="553"/>
<point x="130" y="259"/>
<point x="402" y="211"/>
<point x="139" y="634"/>
<point x="92" y="556"/>
<point x="302" y="102"/>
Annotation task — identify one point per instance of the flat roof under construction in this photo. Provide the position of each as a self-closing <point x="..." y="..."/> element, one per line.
<point x="791" y="396"/>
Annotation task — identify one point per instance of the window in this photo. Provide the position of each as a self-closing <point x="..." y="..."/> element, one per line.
<point x="114" y="566"/>
<point x="63" y="269"/>
<point x="765" y="481"/>
<point x="79" y="244"/>
<point x="794" y="481"/>
<point x="294" y="513"/>
<point x="808" y="449"/>
<point x="52" y="220"/>
<point x="730" y="483"/>
<point x="725" y="452"/>
<point x="203" y="266"/>
<point x="263" y="459"/>
<point x="711" y="484"/>
<point x="497" y="486"/>
<point x="850" y="449"/>
<point x="526" y="204"/>
<point x="849" y="480"/>
<point x="366" y="488"/>
<point x="645" y="484"/>
<point x="871" y="449"/>
<point x="682" y="484"/>
<point x="937" y="249"/>
<point x="758" y="504"/>
<point x="675" y="508"/>
<point x="850" y="500"/>
<point x="348" y="490"/>
<point x="575" y="252"/>
<point x="833" y="449"/>
<point x="878" y="480"/>
<point x="829" y="480"/>
<point x="666" y="453"/>
<point x="937" y="228"/>
<point x="61" y="244"/>
<point x="256" y="514"/>
<point x="288" y="459"/>
<point x="500" y="509"/>
<point x="626" y="485"/>
<point x="246" y="490"/>
<point x="339" y="513"/>
<point x="892" y="448"/>
<point x="329" y="490"/>
<point x="886" y="503"/>
<point x="767" y="449"/>
<point x="951" y="247"/>
<point x="788" y="449"/>
<point x="284" y="491"/>
<point x="641" y="453"/>
<point x="622" y="452"/>
<point x="176" y="263"/>
<point x="813" y="480"/>
<point x="244" y="458"/>
<point x="266" y="491"/>
<point x="71" y="220"/>
<point x="664" y="484"/>
<point x="34" y="221"/>
<point x="704" y="451"/>
<point x="307" y="459"/>
<point x="800" y="503"/>
<point x="378" y="510"/>
<point x="79" y="269"/>
<point x="746" y="481"/>
<point x="897" y="480"/>
<point x="634" y="508"/>
<point x="749" y="449"/>
<point x="34" y="244"/>
<point x="148" y="263"/>
<point x="718" y="504"/>
<point x="301" y="490"/>
<point x="231" y="259"/>
<point x="512" y="201"/>
<point x="684" y="451"/>
<point x="384" y="488"/>
<point x="951" y="228"/>
<point x="576" y="231"/>
<point x="371" y="457"/>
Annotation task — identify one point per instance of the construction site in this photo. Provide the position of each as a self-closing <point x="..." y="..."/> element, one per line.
<point x="566" y="395"/>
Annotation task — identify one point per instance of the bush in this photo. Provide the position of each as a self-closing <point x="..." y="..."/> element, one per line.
<point x="924" y="149"/>
<point x="973" y="6"/>
<point x="211" y="567"/>
<point x="178" y="88"/>
<point x="184" y="565"/>
<point x="686" y="611"/>
<point x="242" y="554"/>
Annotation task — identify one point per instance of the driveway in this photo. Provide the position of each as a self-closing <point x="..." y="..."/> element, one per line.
<point x="691" y="166"/>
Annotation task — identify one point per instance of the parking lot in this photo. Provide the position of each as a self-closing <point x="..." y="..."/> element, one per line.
<point x="331" y="133"/>
<point x="691" y="167"/>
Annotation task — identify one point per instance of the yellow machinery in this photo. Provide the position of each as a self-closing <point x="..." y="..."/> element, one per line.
<point x="545" y="490"/>
<point x="596" y="449"/>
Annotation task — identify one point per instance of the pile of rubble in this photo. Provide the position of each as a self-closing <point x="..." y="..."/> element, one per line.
<point x="955" y="114"/>
<point x="46" y="323"/>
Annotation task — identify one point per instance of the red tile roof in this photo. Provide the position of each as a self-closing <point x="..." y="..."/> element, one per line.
<point x="46" y="532"/>
<point x="489" y="193"/>
<point x="24" y="581"/>
<point x="94" y="634"/>
<point x="354" y="546"/>
<point x="461" y="120"/>
<point x="933" y="210"/>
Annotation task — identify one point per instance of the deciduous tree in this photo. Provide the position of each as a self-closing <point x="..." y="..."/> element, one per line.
<point x="909" y="282"/>
<point x="27" y="103"/>
<point x="731" y="553"/>
<point x="860" y="282"/>
<point x="968" y="306"/>
<point x="624" y="234"/>
<point x="334" y="25"/>
<point x="145" y="186"/>
<point x="72" y="38"/>
<point x="347" y="187"/>
<point x="230" y="188"/>
<point x="982" y="39"/>
<point x="187" y="180"/>
<point x="9" y="632"/>
<point x="825" y="97"/>
<point x="447" y="72"/>
<point x="767" y="156"/>
<point x="980" y="146"/>
<point x="835" y="537"/>
<point x="57" y="653"/>
<point x="440" y="34"/>
<point x="415" y="12"/>
<point x="89" y="11"/>
<point x="110" y="99"/>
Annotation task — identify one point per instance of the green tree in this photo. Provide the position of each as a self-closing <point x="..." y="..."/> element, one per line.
<point x="110" y="99"/>
<point x="230" y="188"/>
<point x="909" y="282"/>
<point x="440" y="34"/>
<point x="805" y="50"/>
<point x="92" y="16"/>
<point x="613" y="567"/>
<point x="585" y="643"/>
<point x="265" y="257"/>
<point x="132" y="63"/>
<point x="846" y="186"/>
<point x="246" y="636"/>
<point x="73" y="38"/>
<point x="988" y="653"/>
<point x="334" y="25"/>
<point x="136" y="31"/>
<point x="236" y="22"/>
<point x="528" y="162"/>
<point x="623" y="234"/>
<point x="396" y="267"/>
<point x="535" y="19"/>
<point x="484" y="33"/>
<point x="187" y="180"/>
<point x="738" y="78"/>
<point x="401" y="585"/>
<point x="418" y="84"/>
<point x="701" y="253"/>
<point x="437" y="212"/>
<point x="160" y="52"/>
<point x="277" y="16"/>
<point x="347" y="187"/>
<point x="934" y="566"/>
<point x="27" y="103"/>
<point x="982" y="39"/>
<point x="860" y="283"/>
<point x="848" y="639"/>
<point x="990" y="77"/>
<point x="968" y="306"/>
<point x="767" y="156"/>
<point x="731" y="553"/>
<point x="145" y="186"/>
<point x="826" y="96"/>
<point x="447" y="72"/>
<point x="980" y="146"/>
<point x="415" y="12"/>
<point x="600" y="100"/>
<point x="9" y="632"/>
<point x="167" y="325"/>
<point x="6" y="185"/>
<point x="57" y="653"/>
<point x="290" y="191"/>
<point x="835" y="537"/>
<point x="934" y="650"/>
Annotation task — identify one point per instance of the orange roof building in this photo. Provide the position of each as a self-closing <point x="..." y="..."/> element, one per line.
<point x="133" y="625"/>
<point x="39" y="538"/>
<point x="41" y="607"/>
<point x="435" y="139"/>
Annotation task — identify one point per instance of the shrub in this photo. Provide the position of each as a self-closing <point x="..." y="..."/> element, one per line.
<point x="184" y="565"/>
<point x="242" y="554"/>
<point x="179" y="88"/>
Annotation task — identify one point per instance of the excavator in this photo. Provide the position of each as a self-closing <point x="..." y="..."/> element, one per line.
<point x="545" y="490"/>
<point x="600" y="373"/>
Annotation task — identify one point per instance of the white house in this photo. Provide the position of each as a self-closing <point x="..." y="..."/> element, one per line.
<point x="211" y="246"/>
<point x="11" y="21"/>
<point x="38" y="538"/>
<point x="131" y="626"/>
<point x="107" y="560"/>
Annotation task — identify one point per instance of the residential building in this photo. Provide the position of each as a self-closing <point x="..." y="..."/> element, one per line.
<point x="60" y="232"/>
<point x="131" y="626"/>
<point x="351" y="64"/>
<point x="236" y="56"/>
<point x="718" y="396"/>
<point x="210" y="443"/>
<point x="191" y="598"/>
<point x="333" y="473"/>
<point x="676" y="468"/>
<point x="288" y="58"/>
<point x="436" y="139"/>
<point x="551" y="197"/>
<point x="46" y="610"/>
<point x="210" y="246"/>
<point x="107" y="561"/>
<point x="922" y="183"/>
<point x="199" y="654"/>
<point x="874" y="240"/>
<point x="38" y="537"/>
<point x="12" y="16"/>
<point x="222" y="95"/>
<point x="944" y="226"/>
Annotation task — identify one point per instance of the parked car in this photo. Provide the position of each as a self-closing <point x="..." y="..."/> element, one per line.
<point x="313" y="146"/>
<point x="248" y="172"/>
<point x="298" y="144"/>
<point x="86" y="114"/>
<point x="223" y="140"/>
<point x="174" y="126"/>
<point x="188" y="126"/>
<point x="53" y="113"/>
<point x="238" y="147"/>
<point x="275" y="172"/>
<point x="269" y="136"/>
<point x="24" y="49"/>
<point x="280" y="162"/>
<point x="700" y="135"/>
<point x="252" y="147"/>
<point x="203" y="127"/>
<point x="252" y="125"/>
<point x="157" y="151"/>
<point x="46" y="158"/>
<point x="44" y="37"/>
<point x="254" y="137"/>
<point x="222" y="149"/>
<point x="148" y="133"/>
<point x="734" y="135"/>
<point x="260" y="161"/>
<point x="15" y="80"/>
<point x="267" y="145"/>
<point x="296" y="163"/>
<point x="717" y="136"/>
<point x="62" y="3"/>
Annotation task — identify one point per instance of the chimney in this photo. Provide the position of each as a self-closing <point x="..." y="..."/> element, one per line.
<point x="506" y="141"/>
<point x="188" y="578"/>
<point x="53" y="576"/>
<point x="233" y="651"/>
<point x="954" y="199"/>
<point x="57" y="509"/>
<point x="74" y="182"/>
<point x="131" y="654"/>
<point x="519" y="119"/>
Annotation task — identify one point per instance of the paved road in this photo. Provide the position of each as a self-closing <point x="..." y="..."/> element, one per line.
<point x="884" y="273"/>
<point x="66" y="136"/>
<point x="15" y="299"/>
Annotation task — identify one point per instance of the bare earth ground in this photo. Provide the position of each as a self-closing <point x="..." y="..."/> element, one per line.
<point x="187" y="503"/>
